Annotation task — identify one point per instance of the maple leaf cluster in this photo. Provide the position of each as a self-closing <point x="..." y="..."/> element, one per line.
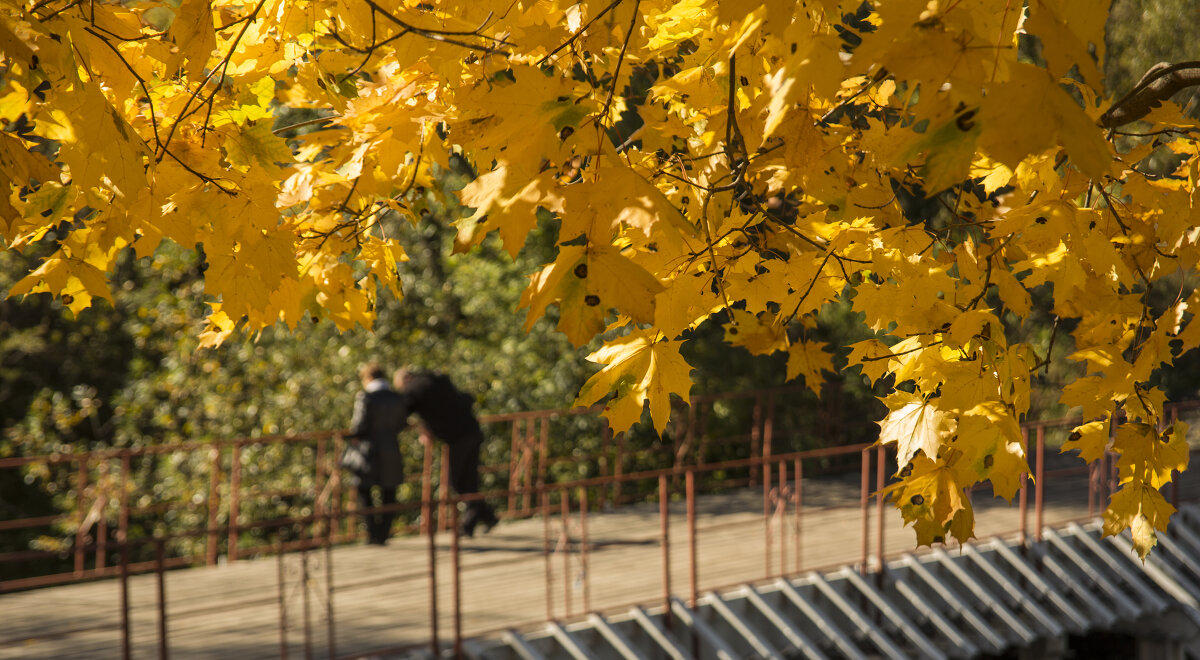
<point x="750" y="159"/>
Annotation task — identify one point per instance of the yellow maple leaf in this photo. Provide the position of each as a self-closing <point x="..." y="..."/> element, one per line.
<point x="965" y="384"/>
<point x="1141" y="509"/>
<point x="1094" y="394"/>
<point x="586" y="281"/>
<point x="218" y="327"/>
<point x="912" y="424"/>
<point x="873" y="356"/>
<point x="1149" y="456"/>
<point x="990" y="439"/>
<point x="1090" y="440"/>
<point x="1055" y="24"/>
<point x="761" y="334"/>
<point x="73" y="280"/>
<point x="617" y="196"/>
<point x="254" y="146"/>
<point x="1009" y="137"/>
<point x="949" y="152"/>
<point x="1015" y="296"/>
<point x="687" y="300"/>
<point x="809" y="359"/>
<point x="121" y="162"/>
<point x="192" y="32"/>
<point x="505" y="199"/>
<point x="929" y="498"/>
<point x="973" y="323"/>
<point x="643" y="370"/>
<point x="556" y="281"/>
<point x="382" y="255"/>
<point x="520" y="115"/>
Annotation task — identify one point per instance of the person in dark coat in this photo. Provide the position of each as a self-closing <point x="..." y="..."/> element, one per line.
<point x="380" y="413"/>
<point x="448" y="414"/>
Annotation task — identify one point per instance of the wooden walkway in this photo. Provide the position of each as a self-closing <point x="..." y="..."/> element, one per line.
<point x="380" y="595"/>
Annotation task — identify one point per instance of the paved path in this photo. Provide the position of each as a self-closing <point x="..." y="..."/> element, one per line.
<point x="380" y="596"/>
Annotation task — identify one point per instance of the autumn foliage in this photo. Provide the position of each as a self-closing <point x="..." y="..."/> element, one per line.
<point x="753" y="159"/>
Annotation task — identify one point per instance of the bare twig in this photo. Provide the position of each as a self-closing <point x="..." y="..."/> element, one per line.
<point x="621" y="59"/>
<point x="141" y="82"/>
<point x="583" y="28"/>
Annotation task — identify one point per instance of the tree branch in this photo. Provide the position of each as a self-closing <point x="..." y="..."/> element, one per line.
<point x="446" y="36"/>
<point x="1158" y="84"/>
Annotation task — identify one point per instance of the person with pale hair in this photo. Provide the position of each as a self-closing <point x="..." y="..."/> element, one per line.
<point x="373" y="457"/>
<point x="448" y="414"/>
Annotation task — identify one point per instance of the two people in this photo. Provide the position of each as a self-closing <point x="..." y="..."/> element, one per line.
<point x="381" y="412"/>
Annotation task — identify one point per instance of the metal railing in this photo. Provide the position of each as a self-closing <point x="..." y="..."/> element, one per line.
<point x="228" y="505"/>
<point x="782" y="478"/>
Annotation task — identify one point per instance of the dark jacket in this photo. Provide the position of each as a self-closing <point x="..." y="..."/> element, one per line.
<point x="379" y="417"/>
<point x="446" y="411"/>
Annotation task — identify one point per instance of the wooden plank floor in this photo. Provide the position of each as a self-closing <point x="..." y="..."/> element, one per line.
<point x="381" y="598"/>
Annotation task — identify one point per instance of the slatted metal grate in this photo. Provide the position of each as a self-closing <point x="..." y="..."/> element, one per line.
<point x="991" y="597"/>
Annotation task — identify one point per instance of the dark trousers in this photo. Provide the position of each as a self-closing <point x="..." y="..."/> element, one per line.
<point x="379" y="524"/>
<point x="464" y="479"/>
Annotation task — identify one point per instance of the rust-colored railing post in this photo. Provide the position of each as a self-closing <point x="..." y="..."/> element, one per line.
<point x="235" y="503"/>
<point x="693" y="567"/>
<point x="81" y="482"/>
<point x="544" y="450"/>
<point x="605" y="467"/>
<point x="799" y="491"/>
<point x="123" y="519"/>
<point x="160" y="575"/>
<point x="1039" y="485"/>
<point x="456" y="582"/>
<point x="768" y="535"/>
<point x="514" y="463"/>
<point x="880" y="476"/>
<point x="549" y="574"/>
<point x="583" y="549"/>
<point x="426" y="485"/>
<point x="689" y="437"/>
<point x="126" y="636"/>
<point x="1174" y="414"/>
<point x="528" y="444"/>
<point x="103" y="486"/>
<point x="1093" y="482"/>
<point x="427" y="509"/>
<point x="320" y="479"/>
<point x="444" y="503"/>
<point x="864" y="502"/>
<point x="756" y="434"/>
<point x="618" y="466"/>
<point x="781" y="513"/>
<point x="564" y="546"/>
<point x="281" y="578"/>
<point x="214" y="502"/>
<point x="664" y="512"/>
<point x="330" y="625"/>
<point x="305" y="601"/>
<point x="338" y="504"/>
<point x="1110" y="463"/>
<point x="1023" y="492"/>
<point x="769" y="426"/>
